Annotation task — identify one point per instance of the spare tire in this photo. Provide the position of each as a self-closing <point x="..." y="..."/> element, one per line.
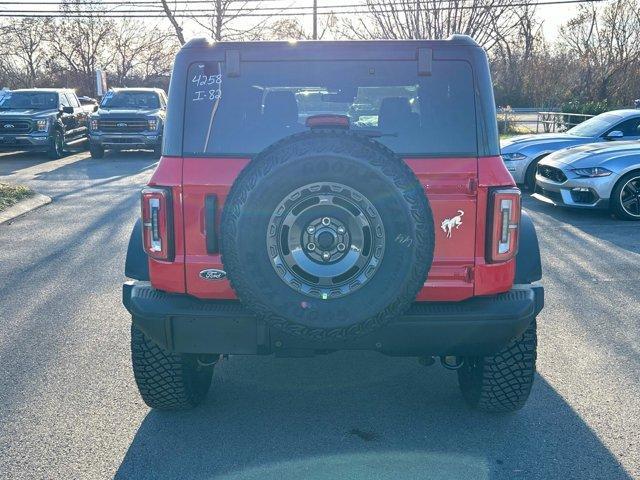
<point x="326" y="235"/>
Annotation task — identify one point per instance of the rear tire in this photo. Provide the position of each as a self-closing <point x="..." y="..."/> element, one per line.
<point x="166" y="380"/>
<point x="96" y="151"/>
<point x="501" y="383"/>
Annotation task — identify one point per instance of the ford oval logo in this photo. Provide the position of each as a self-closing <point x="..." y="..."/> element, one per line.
<point x="121" y="124"/>
<point x="9" y="125"/>
<point x="213" y="274"/>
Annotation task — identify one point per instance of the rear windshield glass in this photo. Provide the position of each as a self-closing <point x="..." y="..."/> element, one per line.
<point x="29" y="100"/>
<point x="130" y="100"/>
<point x="411" y="114"/>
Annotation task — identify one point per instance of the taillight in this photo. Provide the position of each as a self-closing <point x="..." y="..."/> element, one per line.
<point x="157" y="224"/>
<point x="505" y="224"/>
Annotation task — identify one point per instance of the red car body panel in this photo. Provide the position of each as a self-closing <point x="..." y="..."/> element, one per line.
<point x="459" y="268"/>
<point x="164" y="275"/>
<point x="490" y="278"/>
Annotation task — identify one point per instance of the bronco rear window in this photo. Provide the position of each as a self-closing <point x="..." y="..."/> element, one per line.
<point x="411" y="114"/>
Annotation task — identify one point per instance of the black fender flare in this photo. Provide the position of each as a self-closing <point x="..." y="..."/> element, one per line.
<point x="528" y="264"/>
<point x="137" y="263"/>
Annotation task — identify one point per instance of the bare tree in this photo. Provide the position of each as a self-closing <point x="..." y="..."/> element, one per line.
<point x="487" y="21"/>
<point x="229" y="21"/>
<point x="514" y="55"/>
<point x="606" y="43"/>
<point x="141" y="51"/>
<point x="81" y="45"/>
<point x="24" y="43"/>
<point x="9" y="74"/>
<point x="169" y="12"/>
<point x="292" y="28"/>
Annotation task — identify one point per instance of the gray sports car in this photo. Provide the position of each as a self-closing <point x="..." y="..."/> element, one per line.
<point x="521" y="154"/>
<point x="596" y="175"/>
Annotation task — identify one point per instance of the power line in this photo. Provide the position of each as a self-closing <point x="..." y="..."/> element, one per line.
<point x="154" y="3"/>
<point x="155" y="13"/>
<point x="159" y="7"/>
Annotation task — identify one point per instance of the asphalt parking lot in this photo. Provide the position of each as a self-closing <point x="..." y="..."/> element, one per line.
<point x="70" y="409"/>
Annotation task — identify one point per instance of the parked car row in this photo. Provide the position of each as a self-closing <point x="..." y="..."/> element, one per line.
<point x="55" y="120"/>
<point x="595" y="164"/>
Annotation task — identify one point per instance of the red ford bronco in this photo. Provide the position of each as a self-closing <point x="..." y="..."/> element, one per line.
<point x="324" y="196"/>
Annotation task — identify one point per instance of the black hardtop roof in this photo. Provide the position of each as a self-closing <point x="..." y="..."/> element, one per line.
<point x="324" y="49"/>
<point x="202" y="42"/>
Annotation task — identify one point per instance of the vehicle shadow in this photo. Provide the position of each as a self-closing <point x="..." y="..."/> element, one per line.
<point x="120" y="165"/>
<point x="12" y="162"/>
<point x="599" y="224"/>
<point x="360" y="415"/>
<point x="76" y="165"/>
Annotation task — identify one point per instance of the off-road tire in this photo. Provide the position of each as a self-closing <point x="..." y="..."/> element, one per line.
<point x="96" y="151"/>
<point x="354" y="161"/>
<point x="615" y="200"/>
<point x="56" y="149"/>
<point x="167" y="381"/>
<point x="501" y="383"/>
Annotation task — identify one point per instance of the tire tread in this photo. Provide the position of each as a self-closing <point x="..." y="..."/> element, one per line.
<point x="380" y="158"/>
<point x="502" y="383"/>
<point x="167" y="381"/>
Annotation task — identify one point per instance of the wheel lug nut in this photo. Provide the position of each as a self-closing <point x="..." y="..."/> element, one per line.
<point x="341" y="247"/>
<point x="340" y="229"/>
<point x="326" y="221"/>
<point x="326" y="256"/>
<point x="311" y="229"/>
<point x="311" y="247"/>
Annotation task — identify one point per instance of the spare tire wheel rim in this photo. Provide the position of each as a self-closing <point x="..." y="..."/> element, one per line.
<point x="325" y="240"/>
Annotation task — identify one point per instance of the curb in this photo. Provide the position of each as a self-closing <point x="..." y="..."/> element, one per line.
<point x="24" y="206"/>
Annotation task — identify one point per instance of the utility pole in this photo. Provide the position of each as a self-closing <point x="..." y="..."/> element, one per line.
<point x="418" y="34"/>
<point x="315" y="19"/>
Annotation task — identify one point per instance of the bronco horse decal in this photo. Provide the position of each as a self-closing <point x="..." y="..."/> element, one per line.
<point x="449" y="223"/>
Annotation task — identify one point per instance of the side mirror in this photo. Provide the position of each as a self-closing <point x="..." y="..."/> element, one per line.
<point x="67" y="109"/>
<point x="95" y="108"/>
<point x="614" y="135"/>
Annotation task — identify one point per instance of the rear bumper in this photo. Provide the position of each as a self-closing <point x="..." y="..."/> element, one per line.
<point x="478" y="326"/>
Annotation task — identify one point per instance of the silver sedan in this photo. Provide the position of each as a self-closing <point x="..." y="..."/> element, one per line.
<point x="596" y="175"/>
<point x="522" y="153"/>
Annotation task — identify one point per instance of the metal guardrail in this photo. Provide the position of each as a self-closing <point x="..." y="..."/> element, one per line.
<point x="559" y="121"/>
<point x="532" y="120"/>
